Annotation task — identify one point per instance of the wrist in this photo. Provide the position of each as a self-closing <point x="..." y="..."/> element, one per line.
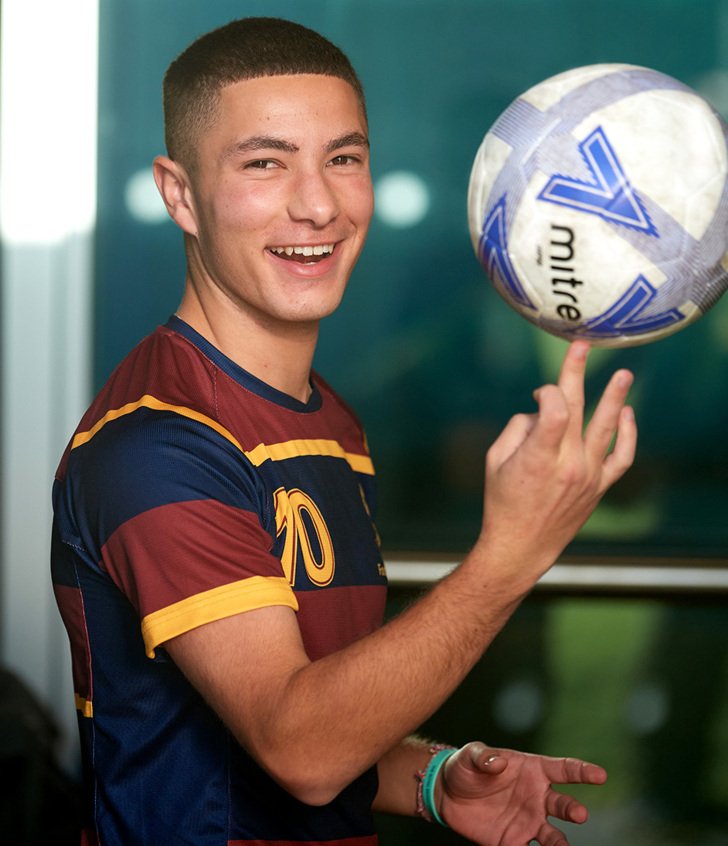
<point x="429" y="784"/>
<point x="506" y="569"/>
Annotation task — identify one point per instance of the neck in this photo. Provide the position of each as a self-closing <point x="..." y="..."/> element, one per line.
<point x="279" y="354"/>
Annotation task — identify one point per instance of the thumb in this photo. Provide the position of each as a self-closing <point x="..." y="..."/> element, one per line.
<point x="487" y="760"/>
<point x="511" y="438"/>
<point x="472" y="760"/>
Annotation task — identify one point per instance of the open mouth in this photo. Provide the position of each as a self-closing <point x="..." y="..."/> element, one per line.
<point x="304" y="255"/>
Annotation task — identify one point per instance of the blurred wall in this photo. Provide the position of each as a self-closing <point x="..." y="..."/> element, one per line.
<point x="47" y="215"/>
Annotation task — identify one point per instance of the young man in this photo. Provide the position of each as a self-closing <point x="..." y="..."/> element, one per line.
<point x="214" y="554"/>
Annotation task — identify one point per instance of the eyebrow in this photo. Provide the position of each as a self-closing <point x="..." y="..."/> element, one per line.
<point x="271" y="142"/>
<point x="351" y="139"/>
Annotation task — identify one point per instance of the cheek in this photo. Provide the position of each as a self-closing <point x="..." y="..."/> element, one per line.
<point x="246" y="210"/>
<point x="360" y="201"/>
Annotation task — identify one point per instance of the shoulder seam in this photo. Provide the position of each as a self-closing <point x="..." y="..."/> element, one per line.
<point x="151" y="402"/>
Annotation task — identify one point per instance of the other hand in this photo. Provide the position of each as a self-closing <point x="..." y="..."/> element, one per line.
<point x="500" y="797"/>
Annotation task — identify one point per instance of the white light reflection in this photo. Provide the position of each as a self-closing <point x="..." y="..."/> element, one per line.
<point x="48" y="134"/>
<point x="142" y="198"/>
<point x="402" y="199"/>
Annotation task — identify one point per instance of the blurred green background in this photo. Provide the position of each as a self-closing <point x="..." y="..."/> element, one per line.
<point x="432" y="359"/>
<point x="639" y="685"/>
<point x="435" y="364"/>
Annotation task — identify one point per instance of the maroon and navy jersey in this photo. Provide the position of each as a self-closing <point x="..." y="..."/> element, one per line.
<point x="192" y="491"/>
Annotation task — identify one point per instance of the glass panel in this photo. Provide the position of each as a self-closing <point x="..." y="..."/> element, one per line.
<point x="422" y="347"/>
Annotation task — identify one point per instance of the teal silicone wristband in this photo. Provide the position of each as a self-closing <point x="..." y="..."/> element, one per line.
<point x="429" y="781"/>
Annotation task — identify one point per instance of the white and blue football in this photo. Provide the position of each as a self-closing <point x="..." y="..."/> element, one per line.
<point x="598" y="205"/>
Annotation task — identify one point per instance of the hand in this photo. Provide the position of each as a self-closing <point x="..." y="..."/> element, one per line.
<point x="546" y="473"/>
<point x="499" y="797"/>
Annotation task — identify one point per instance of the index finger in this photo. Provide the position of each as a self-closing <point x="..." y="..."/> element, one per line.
<point x="573" y="771"/>
<point x="571" y="380"/>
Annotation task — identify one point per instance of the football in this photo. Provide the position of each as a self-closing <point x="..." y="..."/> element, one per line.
<point x="598" y="205"/>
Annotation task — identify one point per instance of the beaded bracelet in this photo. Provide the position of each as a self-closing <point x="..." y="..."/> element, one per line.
<point x="426" y="781"/>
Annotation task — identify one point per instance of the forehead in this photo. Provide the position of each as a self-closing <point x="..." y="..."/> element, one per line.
<point x="301" y="104"/>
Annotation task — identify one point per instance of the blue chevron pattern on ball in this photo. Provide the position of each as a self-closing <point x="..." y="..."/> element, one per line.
<point x="598" y="205"/>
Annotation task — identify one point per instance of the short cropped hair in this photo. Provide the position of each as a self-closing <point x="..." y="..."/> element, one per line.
<point x="248" y="48"/>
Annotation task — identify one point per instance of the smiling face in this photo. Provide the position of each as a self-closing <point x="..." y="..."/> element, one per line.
<point x="278" y="206"/>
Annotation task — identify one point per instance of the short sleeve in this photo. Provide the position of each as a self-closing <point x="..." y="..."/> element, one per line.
<point x="177" y="516"/>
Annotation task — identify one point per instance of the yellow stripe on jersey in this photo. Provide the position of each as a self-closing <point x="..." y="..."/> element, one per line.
<point x="294" y="449"/>
<point x="215" y="604"/>
<point x="85" y="706"/>
<point x="359" y="463"/>
<point x="148" y="401"/>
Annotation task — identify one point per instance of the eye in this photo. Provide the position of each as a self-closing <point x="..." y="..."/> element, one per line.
<point x="344" y="159"/>
<point x="261" y="164"/>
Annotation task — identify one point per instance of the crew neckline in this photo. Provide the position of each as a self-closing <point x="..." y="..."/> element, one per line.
<point x="240" y="375"/>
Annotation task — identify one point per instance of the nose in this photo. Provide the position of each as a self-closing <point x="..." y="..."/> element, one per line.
<point x="313" y="199"/>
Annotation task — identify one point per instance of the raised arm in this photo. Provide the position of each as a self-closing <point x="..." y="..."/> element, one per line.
<point x="315" y="726"/>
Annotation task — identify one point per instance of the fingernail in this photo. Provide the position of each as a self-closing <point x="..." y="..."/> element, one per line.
<point x="625" y="378"/>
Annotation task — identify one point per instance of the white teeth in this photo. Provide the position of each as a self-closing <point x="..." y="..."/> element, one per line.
<point x="318" y="250"/>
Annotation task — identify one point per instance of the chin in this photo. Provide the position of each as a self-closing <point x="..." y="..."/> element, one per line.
<point x="316" y="311"/>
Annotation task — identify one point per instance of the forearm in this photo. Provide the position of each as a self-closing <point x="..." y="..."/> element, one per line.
<point x="342" y="714"/>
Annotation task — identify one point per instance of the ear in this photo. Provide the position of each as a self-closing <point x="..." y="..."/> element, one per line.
<point x="174" y="186"/>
